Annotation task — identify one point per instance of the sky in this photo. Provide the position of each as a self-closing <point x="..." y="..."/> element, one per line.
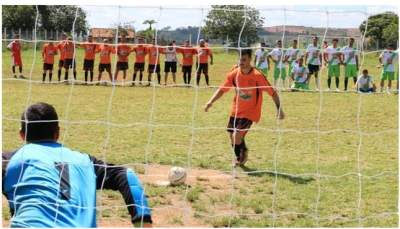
<point x="175" y="16"/>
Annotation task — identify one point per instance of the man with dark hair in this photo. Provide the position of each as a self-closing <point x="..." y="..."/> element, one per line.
<point x="313" y="59"/>
<point x="15" y="48"/>
<point x="69" y="62"/>
<point x="332" y="59"/>
<point x="49" y="50"/>
<point x="364" y="83"/>
<point x="350" y="62"/>
<point x="88" y="61"/>
<point x="187" y="61"/>
<point x="202" y="61"/>
<point x="123" y="50"/>
<point x="61" y="60"/>
<point x="140" y="59"/>
<point x="387" y="61"/>
<point x="50" y="185"/>
<point x="249" y="83"/>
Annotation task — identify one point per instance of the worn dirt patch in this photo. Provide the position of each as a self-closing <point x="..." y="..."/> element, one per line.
<point x="179" y="213"/>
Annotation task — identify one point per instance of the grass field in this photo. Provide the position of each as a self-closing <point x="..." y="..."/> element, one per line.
<point x="333" y="161"/>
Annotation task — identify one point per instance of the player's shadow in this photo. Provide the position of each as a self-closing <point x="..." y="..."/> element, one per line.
<point x="294" y="179"/>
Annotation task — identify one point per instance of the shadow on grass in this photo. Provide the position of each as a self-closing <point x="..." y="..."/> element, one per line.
<point x="294" y="179"/>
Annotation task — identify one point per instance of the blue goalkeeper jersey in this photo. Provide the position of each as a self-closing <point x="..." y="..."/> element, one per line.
<point x="48" y="185"/>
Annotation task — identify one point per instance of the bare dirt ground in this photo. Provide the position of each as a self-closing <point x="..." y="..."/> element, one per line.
<point x="165" y="216"/>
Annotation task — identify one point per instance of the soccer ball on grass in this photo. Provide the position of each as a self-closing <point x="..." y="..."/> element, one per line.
<point x="177" y="175"/>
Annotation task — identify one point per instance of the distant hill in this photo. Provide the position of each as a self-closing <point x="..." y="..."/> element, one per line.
<point x="271" y="34"/>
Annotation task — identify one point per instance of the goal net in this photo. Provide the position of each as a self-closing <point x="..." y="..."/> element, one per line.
<point x="333" y="161"/>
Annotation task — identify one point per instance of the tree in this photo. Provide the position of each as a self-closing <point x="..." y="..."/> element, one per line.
<point x="381" y="28"/>
<point x="51" y="17"/>
<point x="227" y="20"/>
<point x="150" y="22"/>
<point x="123" y="28"/>
<point x="18" y="16"/>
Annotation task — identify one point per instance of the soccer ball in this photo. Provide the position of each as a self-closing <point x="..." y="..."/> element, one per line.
<point x="177" y="175"/>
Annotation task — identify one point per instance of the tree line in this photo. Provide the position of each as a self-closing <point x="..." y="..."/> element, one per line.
<point x="222" y="21"/>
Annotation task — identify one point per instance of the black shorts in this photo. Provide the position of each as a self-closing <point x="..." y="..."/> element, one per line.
<point x="313" y="68"/>
<point x="103" y="67"/>
<point x="61" y="63"/>
<point x="151" y="69"/>
<point x="138" y="67"/>
<point x="69" y="63"/>
<point x="47" y="66"/>
<point x="187" y="69"/>
<point x="241" y="124"/>
<point x="122" y="65"/>
<point x="88" y="65"/>
<point x="202" y="67"/>
<point x="170" y="67"/>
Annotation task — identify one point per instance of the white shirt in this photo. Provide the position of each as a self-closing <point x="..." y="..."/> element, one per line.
<point x="170" y="54"/>
<point x="261" y="58"/>
<point x="388" y="58"/>
<point x="333" y="55"/>
<point x="313" y="54"/>
<point x="363" y="82"/>
<point x="350" y="54"/>
<point x="278" y="55"/>
<point x="300" y="73"/>
<point x="294" y="54"/>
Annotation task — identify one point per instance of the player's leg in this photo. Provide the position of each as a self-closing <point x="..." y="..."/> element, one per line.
<point x="101" y="69"/>
<point x="316" y="80"/>
<point x="173" y="72"/>
<point x="205" y="72"/>
<point x="91" y="66"/>
<point x="383" y="78"/>
<point x="85" y="68"/>
<point x="135" y="70"/>
<point x="50" y="72"/>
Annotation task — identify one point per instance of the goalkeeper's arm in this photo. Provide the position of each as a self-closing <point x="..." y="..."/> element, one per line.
<point x="123" y="179"/>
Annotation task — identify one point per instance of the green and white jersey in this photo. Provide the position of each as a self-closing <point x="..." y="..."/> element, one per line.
<point x="388" y="59"/>
<point x="313" y="54"/>
<point x="333" y="55"/>
<point x="350" y="54"/>
<point x="294" y="54"/>
<point x="364" y="82"/>
<point x="300" y="73"/>
<point x="261" y="58"/>
<point x="278" y="55"/>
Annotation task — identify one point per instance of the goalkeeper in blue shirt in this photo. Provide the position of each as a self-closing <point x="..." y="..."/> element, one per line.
<point x="49" y="185"/>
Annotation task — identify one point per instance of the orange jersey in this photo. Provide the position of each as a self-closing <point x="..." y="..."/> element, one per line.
<point x="123" y="51"/>
<point x="69" y="48"/>
<point x="203" y="54"/>
<point x="153" y="54"/>
<point x="90" y="50"/>
<point x="48" y="53"/>
<point x="60" y="46"/>
<point x="105" y="53"/>
<point x="249" y="96"/>
<point x="140" y="51"/>
<point x="188" y="53"/>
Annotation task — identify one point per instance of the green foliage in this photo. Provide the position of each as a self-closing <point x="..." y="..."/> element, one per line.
<point x="51" y="17"/>
<point x="229" y="20"/>
<point x="381" y="28"/>
<point x="18" y="16"/>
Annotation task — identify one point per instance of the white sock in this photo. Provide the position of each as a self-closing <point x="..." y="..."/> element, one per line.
<point x="388" y="88"/>
<point x="284" y="83"/>
<point x="275" y="81"/>
<point x="381" y="89"/>
<point x="316" y="83"/>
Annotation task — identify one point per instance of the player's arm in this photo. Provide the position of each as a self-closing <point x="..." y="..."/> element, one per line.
<point x="124" y="180"/>
<point x="218" y="94"/>
<point x="306" y="57"/>
<point x="326" y="57"/>
<point x="275" y="98"/>
<point x="9" y="47"/>
<point x="357" y="61"/>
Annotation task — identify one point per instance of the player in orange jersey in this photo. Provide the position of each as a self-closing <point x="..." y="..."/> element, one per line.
<point x="123" y="51"/>
<point x="49" y="50"/>
<point x="249" y="83"/>
<point x="202" y="61"/>
<point x="154" y="61"/>
<point x="187" y="61"/>
<point x="105" y="51"/>
<point x="69" y="62"/>
<point x="60" y="47"/>
<point x="140" y="57"/>
<point x="15" y="48"/>
<point x="88" y="61"/>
